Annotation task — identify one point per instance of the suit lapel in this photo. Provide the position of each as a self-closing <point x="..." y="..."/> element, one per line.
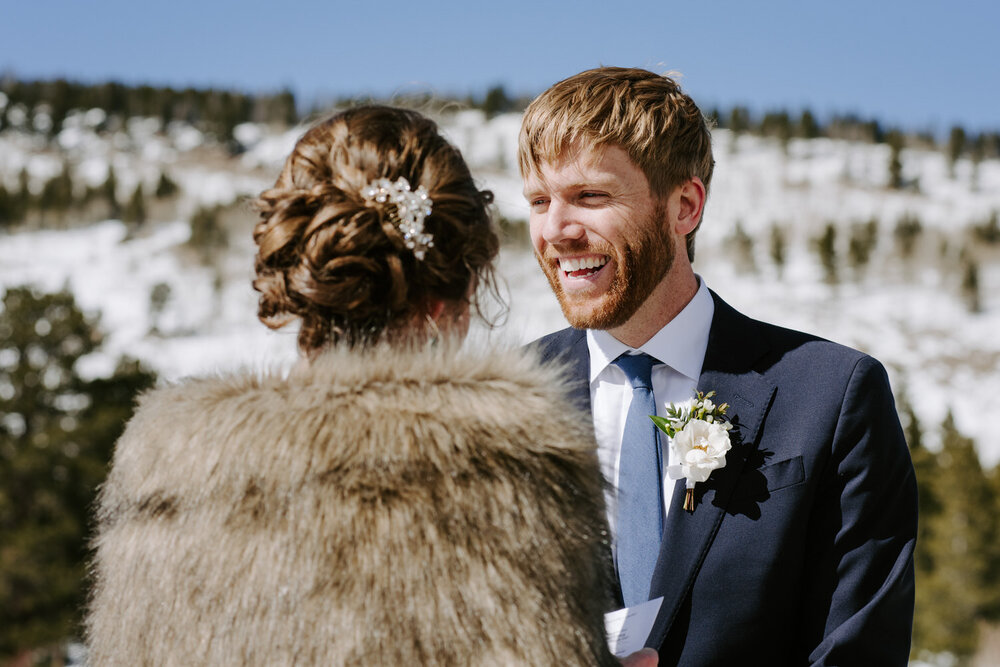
<point x="733" y="348"/>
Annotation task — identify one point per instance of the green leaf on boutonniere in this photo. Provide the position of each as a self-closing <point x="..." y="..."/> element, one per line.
<point x="664" y="424"/>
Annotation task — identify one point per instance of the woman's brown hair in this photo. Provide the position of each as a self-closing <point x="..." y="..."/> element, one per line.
<point x="341" y="264"/>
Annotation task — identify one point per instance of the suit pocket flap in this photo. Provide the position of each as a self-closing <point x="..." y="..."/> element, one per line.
<point x="783" y="473"/>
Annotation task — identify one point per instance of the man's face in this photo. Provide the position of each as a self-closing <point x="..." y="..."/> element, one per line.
<point x="599" y="235"/>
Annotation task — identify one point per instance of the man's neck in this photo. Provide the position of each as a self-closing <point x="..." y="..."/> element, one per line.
<point x="669" y="298"/>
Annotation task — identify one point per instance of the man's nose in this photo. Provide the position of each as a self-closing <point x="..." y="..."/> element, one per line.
<point x="561" y="224"/>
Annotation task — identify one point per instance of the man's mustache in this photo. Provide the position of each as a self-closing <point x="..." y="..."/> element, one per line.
<point x="562" y="249"/>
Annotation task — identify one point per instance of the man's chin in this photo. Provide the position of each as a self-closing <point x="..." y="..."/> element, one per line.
<point x="590" y="308"/>
<point x="592" y="315"/>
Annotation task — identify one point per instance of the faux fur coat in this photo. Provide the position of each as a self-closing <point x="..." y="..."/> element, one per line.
<point x="388" y="507"/>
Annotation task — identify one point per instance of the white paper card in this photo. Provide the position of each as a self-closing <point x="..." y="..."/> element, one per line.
<point x="628" y="628"/>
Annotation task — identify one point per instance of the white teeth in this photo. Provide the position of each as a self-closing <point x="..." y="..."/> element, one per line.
<point x="575" y="264"/>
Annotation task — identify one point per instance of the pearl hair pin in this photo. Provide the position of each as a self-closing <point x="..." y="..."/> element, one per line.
<point x="408" y="210"/>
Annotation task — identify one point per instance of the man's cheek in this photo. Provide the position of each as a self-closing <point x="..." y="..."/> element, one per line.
<point x="535" y="232"/>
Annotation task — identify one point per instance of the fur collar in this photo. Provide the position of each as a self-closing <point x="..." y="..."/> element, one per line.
<point x="410" y="506"/>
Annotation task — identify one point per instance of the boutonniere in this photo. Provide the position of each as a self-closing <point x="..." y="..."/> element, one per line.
<point x="699" y="436"/>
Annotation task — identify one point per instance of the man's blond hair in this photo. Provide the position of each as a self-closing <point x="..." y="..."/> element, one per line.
<point x="646" y="114"/>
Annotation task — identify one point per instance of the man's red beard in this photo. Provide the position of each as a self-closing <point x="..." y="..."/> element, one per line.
<point x="639" y="267"/>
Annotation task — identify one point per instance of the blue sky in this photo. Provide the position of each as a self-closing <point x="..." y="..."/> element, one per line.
<point x="922" y="64"/>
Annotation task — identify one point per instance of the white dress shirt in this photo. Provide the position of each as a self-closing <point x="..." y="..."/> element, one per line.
<point x="680" y="346"/>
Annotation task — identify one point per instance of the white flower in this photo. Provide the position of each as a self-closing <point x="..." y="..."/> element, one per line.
<point x="686" y="408"/>
<point x="699" y="448"/>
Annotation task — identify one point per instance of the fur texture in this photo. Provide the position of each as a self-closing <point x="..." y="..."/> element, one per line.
<point x="381" y="507"/>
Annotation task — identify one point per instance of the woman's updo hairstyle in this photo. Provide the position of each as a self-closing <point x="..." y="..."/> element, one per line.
<point x="339" y="263"/>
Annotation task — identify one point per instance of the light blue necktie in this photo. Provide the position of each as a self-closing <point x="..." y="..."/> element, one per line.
<point x="640" y="487"/>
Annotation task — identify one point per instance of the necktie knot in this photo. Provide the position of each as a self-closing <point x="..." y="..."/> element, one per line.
<point x="638" y="369"/>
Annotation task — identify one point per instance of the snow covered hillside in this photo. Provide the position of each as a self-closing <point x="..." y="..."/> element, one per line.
<point x="768" y="205"/>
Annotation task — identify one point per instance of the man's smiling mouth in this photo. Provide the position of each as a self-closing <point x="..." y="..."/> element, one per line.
<point x="578" y="267"/>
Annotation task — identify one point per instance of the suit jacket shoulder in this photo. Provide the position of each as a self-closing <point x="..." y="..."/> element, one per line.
<point x="739" y="342"/>
<point x="560" y="344"/>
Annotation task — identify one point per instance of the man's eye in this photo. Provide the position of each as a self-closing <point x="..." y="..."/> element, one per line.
<point x="591" y="195"/>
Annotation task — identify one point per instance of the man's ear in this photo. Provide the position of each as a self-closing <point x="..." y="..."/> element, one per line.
<point x="689" y="198"/>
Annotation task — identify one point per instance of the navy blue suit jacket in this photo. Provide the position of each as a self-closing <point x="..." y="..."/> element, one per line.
<point x="800" y="550"/>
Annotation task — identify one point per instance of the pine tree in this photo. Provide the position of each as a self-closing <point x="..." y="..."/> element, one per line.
<point x="808" y="127"/>
<point x="977" y="150"/>
<point x="861" y="245"/>
<point x="956" y="145"/>
<point x="874" y="132"/>
<point x="826" y="248"/>
<point x="25" y="200"/>
<point x="991" y="601"/>
<point x="8" y="208"/>
<point x="57" y="431"/>
<point x="57" y="193"/>
<point x="165" y="187"/>
<point x="739" y="119"/>
<point x="954" y="594"/>
<point x="207" y="233"/>
<point x="58" y="98"/>
<point x="929" y="507"/>
<point x="287" y="113"/>
<point x="924" y="467"/>
<point x="991" y="144"/>
<point x="109" y="191"/>
<point x="907" y="232"/>
<point x="777" y="124"/>
<point x="159" y="295"/>
<point x="989" y="231"/>
<point x="135" y="209"/>
<point x="778" y="248"/>
<point x="496" y="101"/>
<point x="970" y="285"/>
<point x="742" y="244"/>
<point x="895" y="140"/>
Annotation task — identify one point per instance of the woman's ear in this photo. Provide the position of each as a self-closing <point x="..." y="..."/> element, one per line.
<point x="690" y="201"/>
<point x="435" y="307"/>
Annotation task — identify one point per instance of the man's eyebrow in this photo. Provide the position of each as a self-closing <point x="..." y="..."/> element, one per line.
<point x="598" y="183"/>
<point x="583" y="185"/>
<point x="536" y="187"/>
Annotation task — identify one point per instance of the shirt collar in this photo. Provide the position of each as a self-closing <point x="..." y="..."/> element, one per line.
<point x="680" y="344"/>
